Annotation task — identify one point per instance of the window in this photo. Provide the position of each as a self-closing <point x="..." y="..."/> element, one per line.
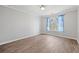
<point x="55" y="25"/>
<point x="60" y="23"/>
<point x="48" y="23"/>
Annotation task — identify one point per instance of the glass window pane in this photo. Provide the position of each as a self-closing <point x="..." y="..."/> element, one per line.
<point x="55" y="26"/>
<point x="48" y="24"/>
<point x="61" y="23"/>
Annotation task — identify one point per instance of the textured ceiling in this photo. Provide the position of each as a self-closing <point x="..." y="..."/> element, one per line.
<point x="35" y="9"/>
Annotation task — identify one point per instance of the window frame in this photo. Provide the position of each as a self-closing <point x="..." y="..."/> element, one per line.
<point x="47" y="24"/>
<point x="57" y="22"/>
<point x="47" y="18"/>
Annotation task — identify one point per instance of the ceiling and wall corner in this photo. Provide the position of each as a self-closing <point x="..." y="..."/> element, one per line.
<point x="35" y="9"/>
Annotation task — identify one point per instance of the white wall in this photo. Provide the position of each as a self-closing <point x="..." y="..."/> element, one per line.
<point x="42" y="25"/>
<point x="78" y="26"/>
<point x="70" y="26"/>
<point x="15" y="24"/>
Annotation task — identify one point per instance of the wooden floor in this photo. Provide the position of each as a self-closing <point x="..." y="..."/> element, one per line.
<point x="41" y="44"/>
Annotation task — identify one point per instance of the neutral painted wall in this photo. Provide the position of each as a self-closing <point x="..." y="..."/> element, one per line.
<point x="43" y="24"/>
<point x="15" y="24"/>
<point x="70" y="25"/>
<point x="78" y="26"/>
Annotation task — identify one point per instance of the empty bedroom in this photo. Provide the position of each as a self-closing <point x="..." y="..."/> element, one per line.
<point x="39" y="29"/>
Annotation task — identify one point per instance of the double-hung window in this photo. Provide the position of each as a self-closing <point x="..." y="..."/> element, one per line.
<point x="55" y="25"/>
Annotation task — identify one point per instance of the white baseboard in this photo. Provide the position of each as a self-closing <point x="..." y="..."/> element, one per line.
<point x="61" y="36"/>
<point x="18" y="39"/>
<point x="35" y="35"/>
<point x="78" y="40"/>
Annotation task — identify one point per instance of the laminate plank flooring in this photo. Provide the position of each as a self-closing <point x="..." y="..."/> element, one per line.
<point x="41" y="44"/>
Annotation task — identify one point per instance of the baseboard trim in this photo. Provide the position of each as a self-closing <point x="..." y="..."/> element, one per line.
<point x="77" y="40"/>
<point x="35" y="35"/>
<point x="59" y="36"/>
<point x="18" y="39"/>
